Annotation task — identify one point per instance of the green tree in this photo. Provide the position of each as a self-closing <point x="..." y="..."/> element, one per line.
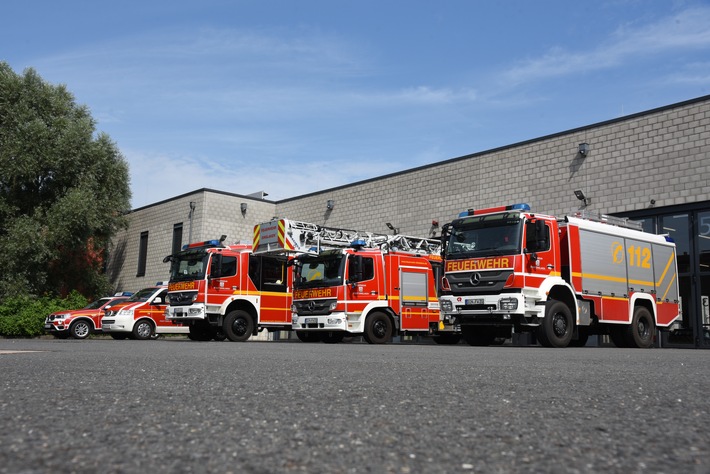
<point x="64" y="190"/>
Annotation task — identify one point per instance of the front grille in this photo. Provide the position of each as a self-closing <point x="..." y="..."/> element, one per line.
<point x="487" y="282"/>
<point x="107" y="321"/>
<point x="313" y="307"/>
<point x="181" y="298"/>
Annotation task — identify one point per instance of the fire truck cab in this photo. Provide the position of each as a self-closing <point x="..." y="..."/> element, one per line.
<point x="509" y="269"/>
<point x="219" y="291"/>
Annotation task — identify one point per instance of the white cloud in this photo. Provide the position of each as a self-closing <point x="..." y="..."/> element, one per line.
<point x="689" y="29"/>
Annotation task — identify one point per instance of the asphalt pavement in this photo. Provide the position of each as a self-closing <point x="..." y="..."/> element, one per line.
<point x="174" y="405"/>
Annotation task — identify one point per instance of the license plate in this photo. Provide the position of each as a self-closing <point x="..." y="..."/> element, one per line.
<point x="48" y="326"/>
<point x="311" y="320"/>
<point x="474" y="301"/>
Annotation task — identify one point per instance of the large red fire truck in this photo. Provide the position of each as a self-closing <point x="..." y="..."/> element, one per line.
<point x="223" y="291"/>
<point x="358" y="283"/>
<point x="509" y="269"/>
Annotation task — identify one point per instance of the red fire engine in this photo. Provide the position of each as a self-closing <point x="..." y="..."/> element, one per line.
<point x="222" y="291"/>
<point x="351" y="283"/>
<point x="509" y="269"/>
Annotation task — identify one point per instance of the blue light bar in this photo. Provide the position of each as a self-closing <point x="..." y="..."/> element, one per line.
<point x="358" y="243"/>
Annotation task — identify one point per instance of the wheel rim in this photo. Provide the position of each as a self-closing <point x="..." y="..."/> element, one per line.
<point x="559" y="325"/>
<point x="379" y="329"/>
<point x="81" y="330"/>
<point x="239" y="326"/>
<point x="144" y="330"/>
<point x="643" y="328"/>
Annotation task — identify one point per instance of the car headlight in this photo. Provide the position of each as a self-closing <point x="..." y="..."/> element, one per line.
<point x="126" y="312"/>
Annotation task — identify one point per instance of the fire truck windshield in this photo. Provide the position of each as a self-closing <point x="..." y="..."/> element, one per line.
<point x="318" y="271"/>
<point x="189" y="264"/>
<point x="482" y="236"/>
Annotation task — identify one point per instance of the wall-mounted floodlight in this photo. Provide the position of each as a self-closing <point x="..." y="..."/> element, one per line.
<point x="392" y="228"/>
<point x="582" y="197"/>
<point x="243" y="207"/>
<point x="330" y="204"/>
<point x="583" y="149"/>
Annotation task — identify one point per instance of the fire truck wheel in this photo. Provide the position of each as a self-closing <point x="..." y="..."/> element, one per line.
<point x="308" y="336"/>
<point x="80" y="329"/>
<point x="332" y="337"/>
<point x="119" y="336"/>
<point x="640" y="332"/>
<point x="557" y="327"/>
<point x="478" y="335"/>
<point x="238" y="326"/>
<point x="378" y="328"/>
<point x="143" y="329"/>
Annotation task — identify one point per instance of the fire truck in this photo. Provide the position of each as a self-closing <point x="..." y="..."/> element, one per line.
<point x="350" y="283"/>
<point x="219" y="291"/>
<point x="507" y="269"/>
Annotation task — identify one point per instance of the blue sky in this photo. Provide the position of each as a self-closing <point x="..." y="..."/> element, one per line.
<point x="292" y="97"/>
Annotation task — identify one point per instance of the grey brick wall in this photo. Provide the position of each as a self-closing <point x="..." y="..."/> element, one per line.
<point x="659" y="155"/>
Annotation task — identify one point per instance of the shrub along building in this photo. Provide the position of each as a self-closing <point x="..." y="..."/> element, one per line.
<point x="653" y="167"/>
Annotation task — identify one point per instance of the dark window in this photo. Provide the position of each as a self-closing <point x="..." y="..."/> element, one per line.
<point x="177" y="238"/>
<point x="537" y="237"/>
<point x="368" y="268"/>
<point x="267" y="273"/>
<point x="142" y="253"/>
<point x="228" y="267"/>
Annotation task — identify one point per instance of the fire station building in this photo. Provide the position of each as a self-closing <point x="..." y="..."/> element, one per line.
<point x="652" y="166"/>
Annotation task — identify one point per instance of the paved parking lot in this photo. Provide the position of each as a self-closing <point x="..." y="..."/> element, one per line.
<point x="173" y="405"/>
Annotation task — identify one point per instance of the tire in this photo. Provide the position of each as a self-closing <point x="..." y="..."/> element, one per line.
<point x="80" y="329"/>
<point x="217" y="334"/>
<point x="378" y="328"/>
<point x="238" y="326"/>
<point x="478" y="335"/>
<point x="308" y="336"/>
<point x="332" y="337"/>
<point x="119" y="336"/>
<point x="642" y="329"/>
<point x="143" y="330"/>
<point x="447" y="339"/>
<point x="557" y="327"/>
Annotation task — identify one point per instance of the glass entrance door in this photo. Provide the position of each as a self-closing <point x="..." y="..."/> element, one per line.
<point x="678" y="227"/>
<point x="702" y="243"/>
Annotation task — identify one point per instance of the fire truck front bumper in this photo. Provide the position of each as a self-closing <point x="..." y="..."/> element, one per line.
<point x="177" y="314"/>
<point x="330" y="322"/>
<point x="508" y="308"/>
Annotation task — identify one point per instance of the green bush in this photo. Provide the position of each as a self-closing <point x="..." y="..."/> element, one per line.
<point x="23" y="316"/>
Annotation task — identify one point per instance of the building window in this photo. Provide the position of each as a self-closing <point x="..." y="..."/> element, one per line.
<point x="142" y="253"/>
<point x="177" y="238"/>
